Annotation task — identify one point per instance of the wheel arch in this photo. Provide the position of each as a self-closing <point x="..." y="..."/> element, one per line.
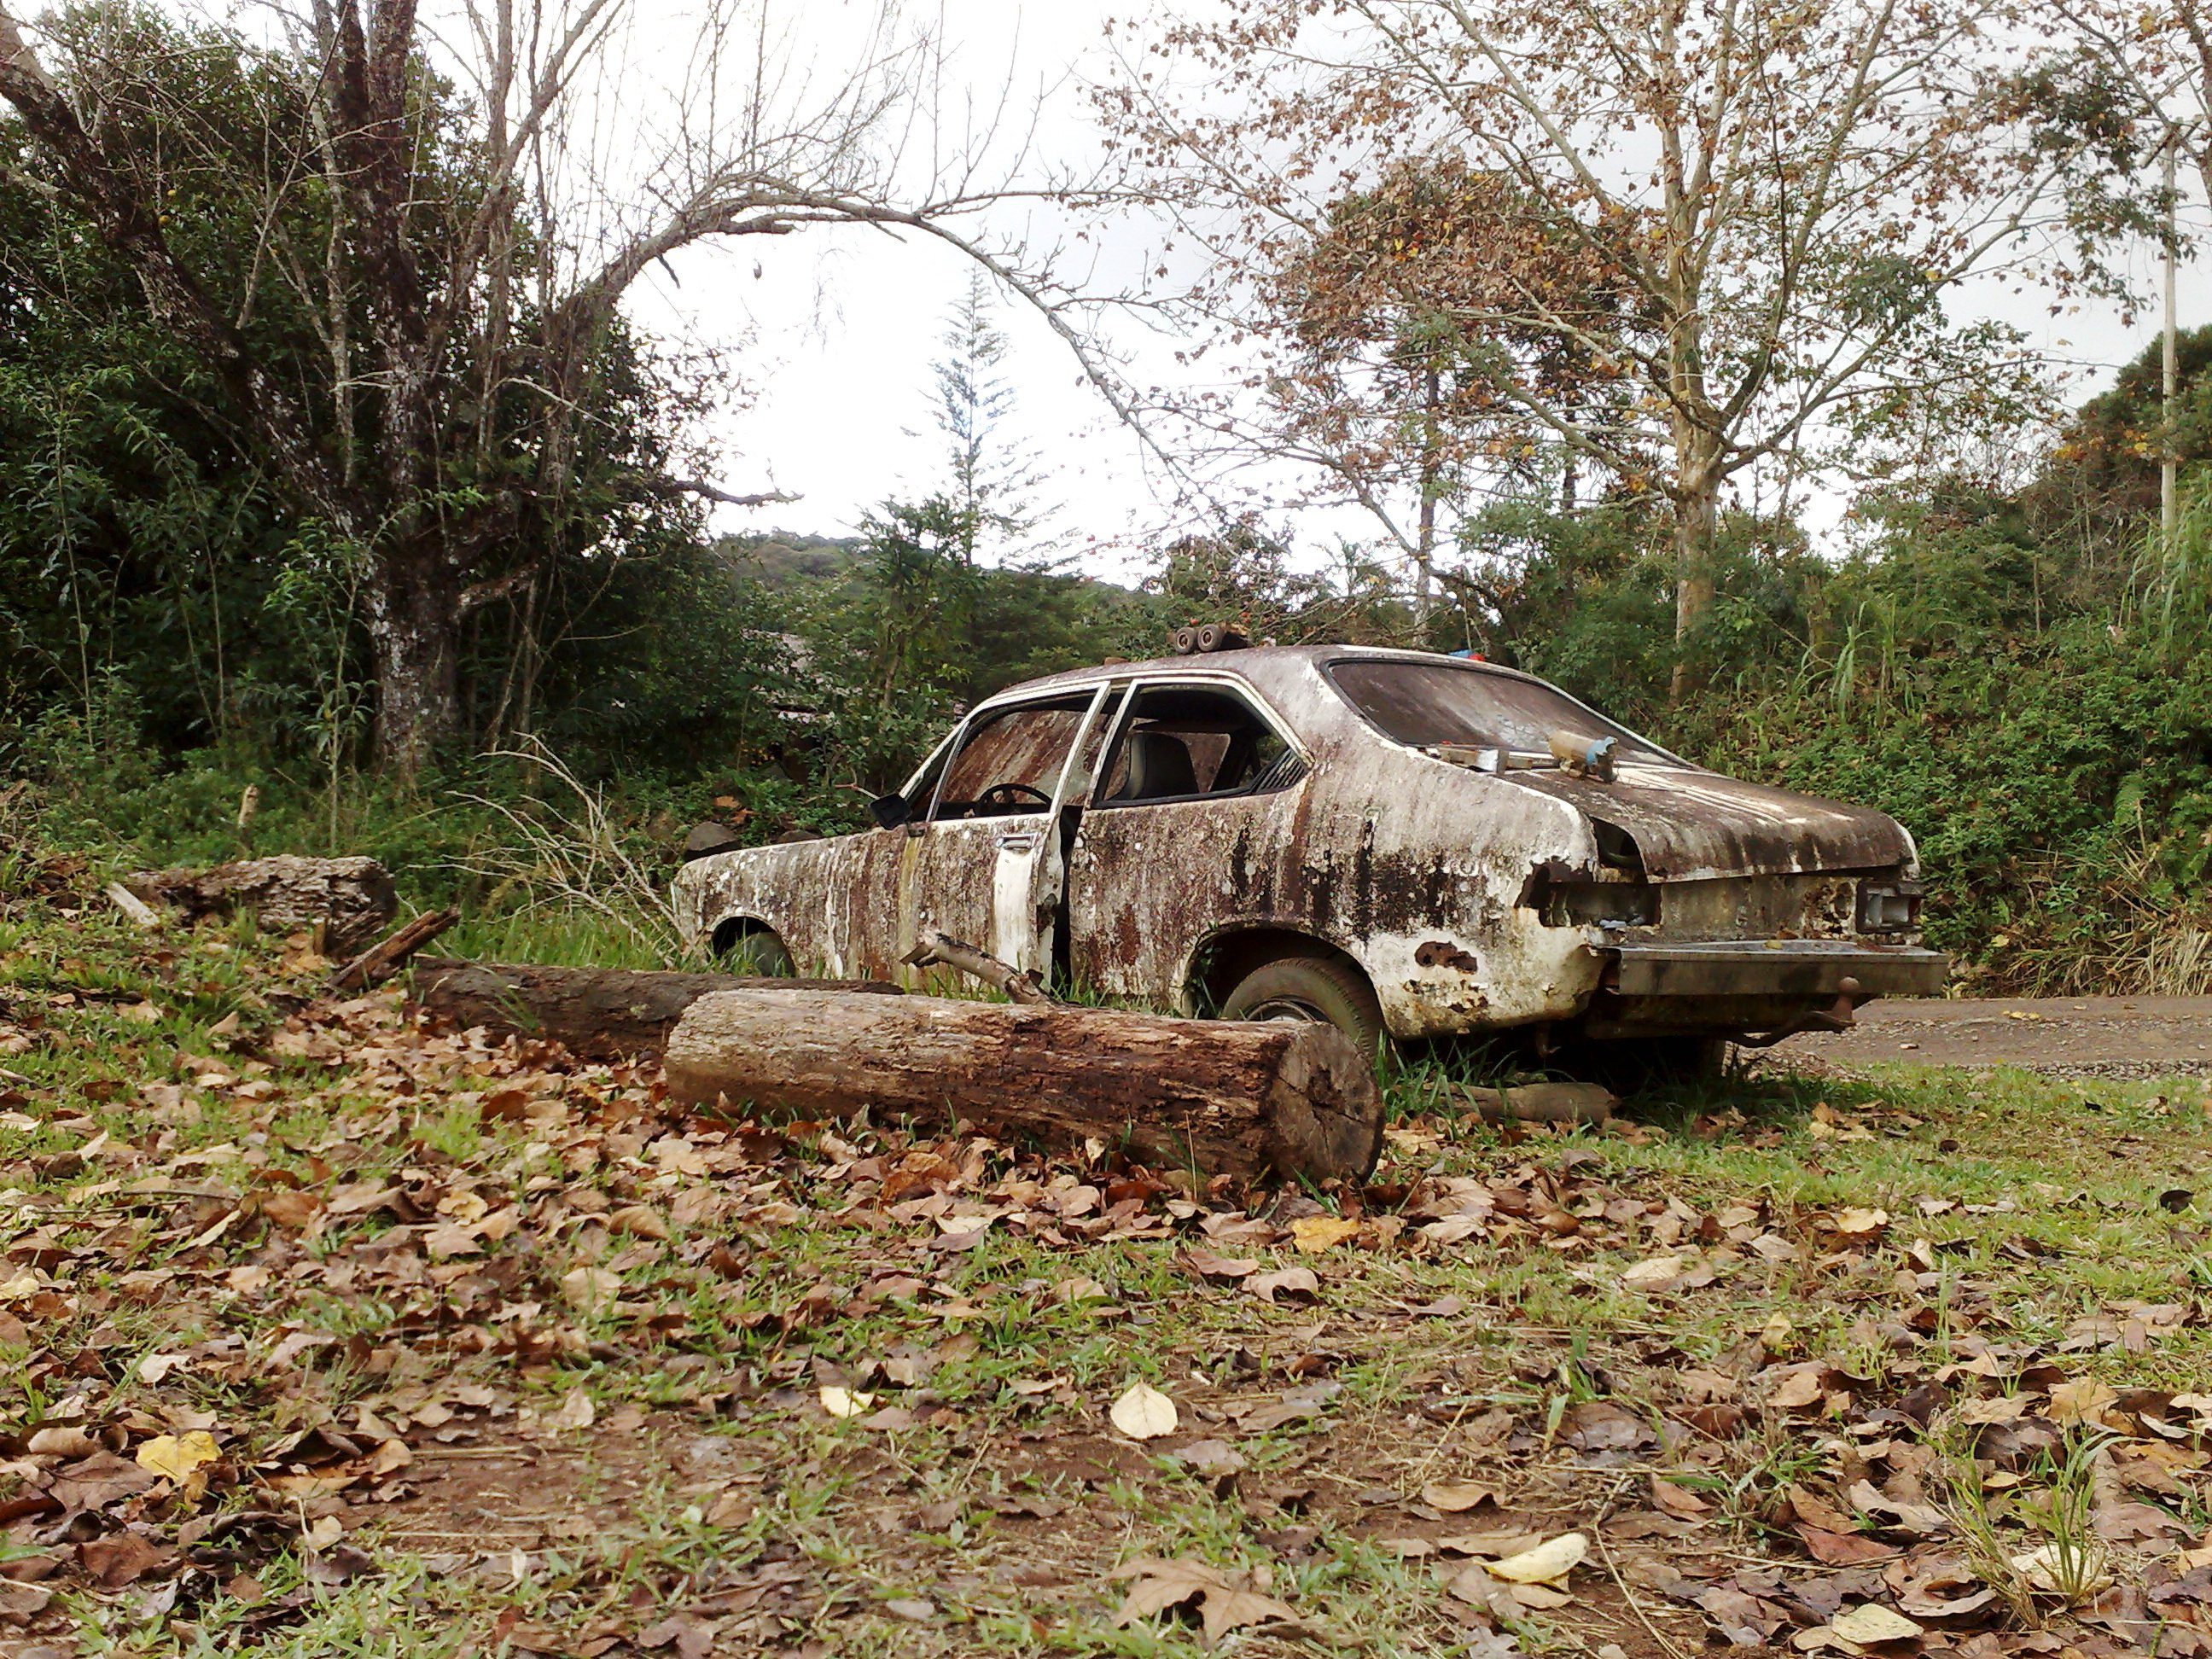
<point x="1227" y="954"/>
<point x="724" y="936"/>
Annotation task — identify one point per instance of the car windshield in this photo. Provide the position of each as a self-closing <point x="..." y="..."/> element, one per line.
<point x="1423" y="703"/>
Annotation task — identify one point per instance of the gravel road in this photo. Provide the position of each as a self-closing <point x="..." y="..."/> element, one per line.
<point x="2063" y="1036"/>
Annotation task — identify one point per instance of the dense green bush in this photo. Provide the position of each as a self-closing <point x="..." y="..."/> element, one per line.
<point x="2044" y="728"/>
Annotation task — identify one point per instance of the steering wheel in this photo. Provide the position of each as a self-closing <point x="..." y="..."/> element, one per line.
<point x="1010" y="794"/>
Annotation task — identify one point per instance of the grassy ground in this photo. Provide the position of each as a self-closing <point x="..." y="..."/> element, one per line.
<point x="323" y="1334"/>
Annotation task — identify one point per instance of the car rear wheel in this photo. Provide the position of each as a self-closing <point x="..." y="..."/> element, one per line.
<point x="1310" y="987"/>
<point x="757" y="953"/>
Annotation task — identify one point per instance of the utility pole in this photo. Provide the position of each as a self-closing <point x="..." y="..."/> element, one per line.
<point x="2169" y="508"/>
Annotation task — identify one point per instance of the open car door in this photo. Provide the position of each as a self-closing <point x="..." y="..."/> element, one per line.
<point x="992" y="862"/>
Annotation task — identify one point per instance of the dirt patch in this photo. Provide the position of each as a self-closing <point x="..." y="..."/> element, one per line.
<point x="2058" y="1037"/>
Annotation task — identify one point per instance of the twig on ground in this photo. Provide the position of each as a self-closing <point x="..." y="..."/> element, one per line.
<point x="386" y="958"/>
<point x="133" y="908"/>
<point x="1597" y="1537"/>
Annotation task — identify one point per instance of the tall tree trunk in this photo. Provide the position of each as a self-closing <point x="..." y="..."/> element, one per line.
<point x="1697" y="529"/>
<point x="414" y="627"/>
<point x="1424" y="558"/>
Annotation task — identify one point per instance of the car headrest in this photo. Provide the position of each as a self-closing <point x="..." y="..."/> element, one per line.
<point x="1159" y="767"/>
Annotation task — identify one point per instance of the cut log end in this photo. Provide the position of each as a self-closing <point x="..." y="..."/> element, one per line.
<point x="1325" y="1109"/>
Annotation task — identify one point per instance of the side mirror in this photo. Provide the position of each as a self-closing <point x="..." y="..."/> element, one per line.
<point x="890" y="811"/>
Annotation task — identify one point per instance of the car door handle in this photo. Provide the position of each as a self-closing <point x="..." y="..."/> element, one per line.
<point x="1016" y="841"/>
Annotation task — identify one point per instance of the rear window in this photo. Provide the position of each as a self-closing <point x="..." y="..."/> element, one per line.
<point x="1422" y="703"/>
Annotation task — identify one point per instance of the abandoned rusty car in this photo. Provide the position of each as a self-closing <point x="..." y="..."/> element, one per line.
<point x="1401" y="844"/>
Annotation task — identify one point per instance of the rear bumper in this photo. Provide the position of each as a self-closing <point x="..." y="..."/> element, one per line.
<point x="1780" y="966"/>
<point x="1737" y="987"/>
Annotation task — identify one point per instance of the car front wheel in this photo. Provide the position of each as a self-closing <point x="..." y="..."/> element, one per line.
<point x="1310" y="987"/>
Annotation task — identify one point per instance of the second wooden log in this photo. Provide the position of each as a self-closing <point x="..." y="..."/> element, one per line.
<point x="1220" y="1096"/>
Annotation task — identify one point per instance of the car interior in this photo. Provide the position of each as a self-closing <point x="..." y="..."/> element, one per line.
<point x="1011" y="764"/>
<point x="1177" y="742"/>
<point x="1183" y="743"/>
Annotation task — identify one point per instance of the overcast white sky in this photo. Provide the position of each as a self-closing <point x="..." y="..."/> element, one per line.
<point x="842" y="327"/>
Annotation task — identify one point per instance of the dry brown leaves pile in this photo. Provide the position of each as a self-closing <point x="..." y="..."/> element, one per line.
<point x="248" y="1345"/>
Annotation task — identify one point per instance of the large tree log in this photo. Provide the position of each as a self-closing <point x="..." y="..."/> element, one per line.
<point x="350" y="898"/>
<point x="1225" y="1096"/>
<point x="602" y="1013"/>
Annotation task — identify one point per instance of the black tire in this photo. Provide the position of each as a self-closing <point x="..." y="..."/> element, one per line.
<point x="1310" y="987"/>
<point x="757" y="953"/>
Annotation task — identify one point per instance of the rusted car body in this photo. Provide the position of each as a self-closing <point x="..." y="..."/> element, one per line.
<point x="1162" y="830"/>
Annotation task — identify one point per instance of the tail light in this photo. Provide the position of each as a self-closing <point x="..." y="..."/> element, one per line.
<point x="1889" y="907"/>
<point x="1597" y="903"/>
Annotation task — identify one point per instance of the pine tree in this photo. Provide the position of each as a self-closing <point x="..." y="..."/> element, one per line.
<point x="994" y="474"/>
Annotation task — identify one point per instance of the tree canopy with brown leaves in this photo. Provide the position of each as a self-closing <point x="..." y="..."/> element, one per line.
<point x="1684" y="240"/>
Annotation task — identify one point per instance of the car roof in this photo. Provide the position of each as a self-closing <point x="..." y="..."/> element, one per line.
<point x="1262" y="666"/>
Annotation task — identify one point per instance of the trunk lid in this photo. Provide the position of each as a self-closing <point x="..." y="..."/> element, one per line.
<point x="1691" y="824"/>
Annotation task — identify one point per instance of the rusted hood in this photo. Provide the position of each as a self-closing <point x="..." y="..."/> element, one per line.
<point x="1689" y="824"/>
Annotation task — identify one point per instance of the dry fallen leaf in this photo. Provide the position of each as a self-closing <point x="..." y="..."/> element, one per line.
<point x="1143" y="1412"/>
<point x="1549" y="1562"/>
<point x="589" y="1287"/>
<point x="156" y="1366"/>
<point x="1223" y="1602"/>
<point x="1871" y="1623"/>
<point x="2076" y="1573"/>
<point x="1315" y="1233"/>
<point x="1220" y="1266"/>
<point x="1857" y="1225"/>
<point x="2082" y="1401"/>
<point x="846" y="1402"/>
<point x="120" y="1559"/>
<point x="639" y="1220"/>
<point x="172" y="1458"/>
<point x="1654" y="1270"/>
<point x="1288" y="1281"/>
<point x="291" y="1210"/>
<point x="1454" y="1497"/>
<point x="1543" y="1598"/>
<point x="1677" y="1501"/>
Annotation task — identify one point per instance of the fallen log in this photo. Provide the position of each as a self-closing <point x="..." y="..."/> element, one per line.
<point x="1220" y="1096"/>
<point x="351" y="900"/>
<point x="1545" y="1103"/>
<point x="600" y="1013"/>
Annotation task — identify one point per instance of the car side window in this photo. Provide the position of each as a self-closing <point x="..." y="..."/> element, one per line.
<point x="1186" y="742"/>
<point x="1010" y="762"/>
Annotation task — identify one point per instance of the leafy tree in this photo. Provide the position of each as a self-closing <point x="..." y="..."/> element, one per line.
<point x="443" y="242"/>
<point x="1390" y="372"/>
<point x="1747" y="217"/>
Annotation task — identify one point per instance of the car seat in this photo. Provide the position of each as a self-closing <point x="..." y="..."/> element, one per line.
<point x="1159" y="767"/>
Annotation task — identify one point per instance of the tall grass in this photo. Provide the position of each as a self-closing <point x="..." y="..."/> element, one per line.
<point x="570" y="876"/>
